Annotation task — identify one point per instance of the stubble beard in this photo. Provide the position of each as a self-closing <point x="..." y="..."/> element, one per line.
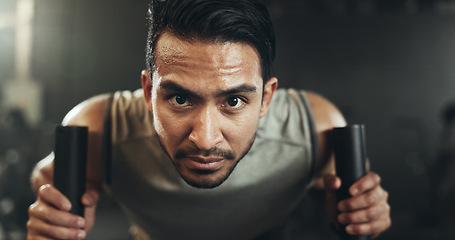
<point x="208" y="184"/>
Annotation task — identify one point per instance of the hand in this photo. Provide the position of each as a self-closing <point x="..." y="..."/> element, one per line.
<point x="367" y="212"/>
<point x="49" y="216"/>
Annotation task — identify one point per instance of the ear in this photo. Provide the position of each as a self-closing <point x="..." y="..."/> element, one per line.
<point x="147" y="87"/>
<point x="269" y="90"/>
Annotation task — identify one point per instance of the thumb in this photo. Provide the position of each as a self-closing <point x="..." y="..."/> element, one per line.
<point x="90" y="200"/>
<point x="331" y="207"/>
<point x="331" y="182"/>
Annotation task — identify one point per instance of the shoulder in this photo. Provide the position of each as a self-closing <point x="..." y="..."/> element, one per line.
<point x="88" y="113"/>
<point x="326" y="114"/>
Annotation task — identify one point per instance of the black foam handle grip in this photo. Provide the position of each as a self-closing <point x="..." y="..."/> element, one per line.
<point x="350" y="163"/>
<point x="70" y="164"/>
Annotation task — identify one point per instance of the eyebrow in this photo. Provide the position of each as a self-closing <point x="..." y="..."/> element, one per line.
<point x="172" y="86"/>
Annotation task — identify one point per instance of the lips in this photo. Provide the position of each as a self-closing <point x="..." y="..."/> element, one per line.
<point x="203" y="163"/>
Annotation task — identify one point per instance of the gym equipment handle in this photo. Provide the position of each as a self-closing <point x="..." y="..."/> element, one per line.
<point x="70" y="164"/>
<point x="350" y="163"/>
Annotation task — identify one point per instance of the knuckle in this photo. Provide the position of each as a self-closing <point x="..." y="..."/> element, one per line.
<point x="357" y="228"/>
<point x="39" y="209"/>
<point x="31" y="209"/>
<point x="371" y="198"/>
<point x="373" y="228"/>
<point x="377" y="178"/>
<point x="29" y="225"/>
<point x="386" y="195"/>
<point x="387" y="208"/>
<point x="388" y="223"/>
<point x="31" y="229"/>
<point x="42" y="212"/>
<point x="372" y="214"/>
<point x="366" y="229"/>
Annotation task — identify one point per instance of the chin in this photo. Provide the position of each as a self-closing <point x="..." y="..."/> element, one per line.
<point x="204" y="184"/>
<point x="206" y="179"/>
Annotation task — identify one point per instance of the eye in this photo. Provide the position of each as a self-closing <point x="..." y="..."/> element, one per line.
<point x="235" y="103"/>
<point x="179" y="100"/>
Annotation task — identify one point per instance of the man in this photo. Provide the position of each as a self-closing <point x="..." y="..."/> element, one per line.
<point x="209" y="148"/>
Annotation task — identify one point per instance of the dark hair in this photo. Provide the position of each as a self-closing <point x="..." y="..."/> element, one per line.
<point x="245" y="21"/>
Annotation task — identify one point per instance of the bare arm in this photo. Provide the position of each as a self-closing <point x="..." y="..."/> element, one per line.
<point x="48" y="216"/>
<point x="43" y="173"/>
<point x="367" y="212"/>
<point x="327" y="117"/>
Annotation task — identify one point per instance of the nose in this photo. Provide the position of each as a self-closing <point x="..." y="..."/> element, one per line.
<point x="206" y="132"/>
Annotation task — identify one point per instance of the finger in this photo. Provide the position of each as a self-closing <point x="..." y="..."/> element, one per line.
<point x="370" y="228"/>
<point x="31" y="236"/>
<point x="365" y="200"/>
<point x="332" y="182"/>
<point x="51" y="195"/>
<point x="54" y="216"/>
<point x="90" y="198"/>
<point x="331" y="207"/>
<point x="365" y="215"/>
<point x="366" y="183"/>
<point x="37" y="227"/>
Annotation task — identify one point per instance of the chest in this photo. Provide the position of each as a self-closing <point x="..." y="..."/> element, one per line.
<point x="260" y="193"/>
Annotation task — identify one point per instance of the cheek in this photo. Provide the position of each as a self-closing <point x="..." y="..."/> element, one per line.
<point x="171" y="129"/>
<point x="164" y="124"/>
<point x="158" y="124"/>
<point x="160" y="120"/>
<point x="241" y="131"/>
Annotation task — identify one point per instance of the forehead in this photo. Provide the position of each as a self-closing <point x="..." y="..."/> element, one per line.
<point x="220" y="57"/>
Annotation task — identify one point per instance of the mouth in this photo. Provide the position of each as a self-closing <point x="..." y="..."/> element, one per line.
<point x="203" y="164"/>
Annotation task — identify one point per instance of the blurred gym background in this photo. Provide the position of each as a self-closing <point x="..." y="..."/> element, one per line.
<point x="386" y="63"/>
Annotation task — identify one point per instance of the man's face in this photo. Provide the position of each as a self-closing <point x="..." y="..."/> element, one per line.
<point x="206" y="100"/>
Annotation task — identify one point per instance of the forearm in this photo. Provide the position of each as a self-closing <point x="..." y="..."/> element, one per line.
<point x="42" y="173"/>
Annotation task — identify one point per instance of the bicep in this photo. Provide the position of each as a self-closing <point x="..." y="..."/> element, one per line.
<point x="89" y="113"/>
<point x="327" y="116"/>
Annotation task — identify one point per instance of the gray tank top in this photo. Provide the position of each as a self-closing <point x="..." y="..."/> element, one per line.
<point x="262" y="191"/>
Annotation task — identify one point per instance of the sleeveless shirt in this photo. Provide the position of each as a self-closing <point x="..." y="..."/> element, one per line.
<point x="259" y="195"/>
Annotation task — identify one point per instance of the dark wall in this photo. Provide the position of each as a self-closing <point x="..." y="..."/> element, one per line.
<point x="84" y="48"/>
<point x="391" y="71"/>
<point x="395" y="74"/>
